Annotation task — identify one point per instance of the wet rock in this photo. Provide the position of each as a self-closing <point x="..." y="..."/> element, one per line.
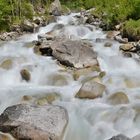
<point x="84" y="72"/>
<point x="120" y="137"/>
<point x="26" y="98"/>
<point x="49" y="98"/>
<point x="127" y="54"/>
<point x="137" y="137"/>
<point x="120" y="39"/>
<point x="28" y="26"/>
<point x="112" y="34"/>
<point x="91" y="90"/>
<point x="25" y="75"/>
<point x="126" y="47"/>
<point x="57" y="80"/>
<point x="32" y="122"/>
<point x="46" y="36"/>
<point x="6" y="64"/>
<point x="108" y="44"/>
<point x="6" y="36"/>
<point x="118" y="98"/>
<point x="55" y="8"/>
<point x="58" y="27"/>
<point x="72" y="53"/>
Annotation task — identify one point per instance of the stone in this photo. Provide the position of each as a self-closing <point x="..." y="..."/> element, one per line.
<point x="6" y="64"/>
<point x="120" y="137"/>
<point x="118" y="98"/>
<point x="33" y="122"/>
<point x="55" y="8"/>
<point x="108" y="44"/>
<point x="25" y="74"/>
<point x="127" y="54"/>
<point x="28" y="26"/>
<point x="91" y="90"/>
<point x="57" y="80"/>
<point x="74" y="53"/>
<point x="137" y="137"/>
<point x="4" y="136"/>
<point x="120" y="39"/>
<point x="126" y="47"/>
<point x="112" y="34"/>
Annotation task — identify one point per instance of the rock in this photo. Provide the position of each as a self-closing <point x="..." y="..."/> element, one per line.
<point x="6" y="137"/>
<point x="120" y="137"/>
<point x="28" y="26"/>
<point x="91" y="90"/>
<point x="49" y="98"/>
<point x="137" y="137"/>
<point x="39" y="21"/>
<point x="84" y="72"/>
<point x="120" y="39"/>
<point x="126" y="47"/>
<point x="127" y="54"/>
<point x="58" y="27"/>
<point x="72" y="53"/>
<point x="6" y="64"/>
<point x="25" y="74"/>
<point x="108" y="44"/>
<point x="118" y="27"/>
<point x="112" y="34"/>
<point x="32" y="122"/>
<point x="118" y="98"/>
<point x="55" y="8"/>
<point x="57" y="80"/>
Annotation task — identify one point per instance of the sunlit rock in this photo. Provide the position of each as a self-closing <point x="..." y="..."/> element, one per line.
<point x="6" y="64"/>
<point x="112" y="34"/>
<point x="118" y="98"/>
<point x="120" y="137"/>
<point x="91" y="90"/>
<point x="4" y="136"/>
<point x="126" y="47"/>
<point x="32" y="122"/>
<point x="84" y="72"/>
<point x="25" y="75"/>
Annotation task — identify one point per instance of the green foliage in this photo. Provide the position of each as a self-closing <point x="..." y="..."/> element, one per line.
<point x="131" y="29"/>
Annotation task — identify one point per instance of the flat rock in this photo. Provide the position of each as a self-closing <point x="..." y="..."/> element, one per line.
<point x="91" y="90"/>
<point x="120" y="137"/>
<point x="74" y="53"/>
<point x="126" y="47"/>
<point x="32" y="122"/>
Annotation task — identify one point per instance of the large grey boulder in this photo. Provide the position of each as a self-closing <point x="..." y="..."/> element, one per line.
<point x="74" y="53"/>
<point x="120" y="137"/>
<point x="55" y="8"/>
<point x="32" y="122"/>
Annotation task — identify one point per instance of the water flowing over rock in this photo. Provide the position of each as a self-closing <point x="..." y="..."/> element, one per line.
<point x="72" y="53"/>
<point x="120" y="137"/>
<point x="137" y="137"/>
<point x="91" y="89"/>
<point x="118" y="98"/>
<point x="25" y="74"/>
<point x="34" y="122"/>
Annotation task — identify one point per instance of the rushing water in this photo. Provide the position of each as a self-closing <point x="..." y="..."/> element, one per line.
<point x="88" y="119"/>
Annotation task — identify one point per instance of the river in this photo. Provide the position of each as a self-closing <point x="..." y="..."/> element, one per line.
<point x="88" y="119"/>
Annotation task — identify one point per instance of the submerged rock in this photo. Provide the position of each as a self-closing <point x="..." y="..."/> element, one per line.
<point x="120" y="137"/>
<point x="72" y="53"/>
<point x="6" y="64"/>
<point x="118" y="98"/>
<point x="25" y="74"/>
<point x="108" y="44"/>
<point x="32" y="122"/>
<point x="91" y="89"/>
